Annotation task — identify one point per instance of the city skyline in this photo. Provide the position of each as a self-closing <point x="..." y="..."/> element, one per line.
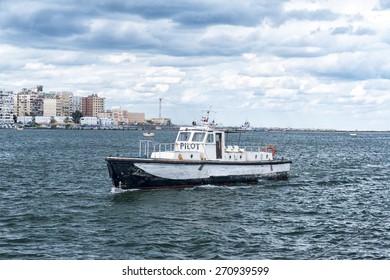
<point x="33" y="105"/>
<point x="301" y="64"/>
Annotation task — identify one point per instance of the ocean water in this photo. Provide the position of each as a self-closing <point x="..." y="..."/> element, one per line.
<point x="57" y="201"/>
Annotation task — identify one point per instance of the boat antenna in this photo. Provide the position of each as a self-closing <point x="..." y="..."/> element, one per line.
<point x="205" y="119"/>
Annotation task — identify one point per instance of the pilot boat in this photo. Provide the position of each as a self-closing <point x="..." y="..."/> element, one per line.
<point x="199" y="156"/>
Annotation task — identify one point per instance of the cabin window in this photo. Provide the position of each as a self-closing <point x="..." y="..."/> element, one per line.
<point x="184" y="136"/>
<point x="210" y="138"/>
<point x="198" y="137"/>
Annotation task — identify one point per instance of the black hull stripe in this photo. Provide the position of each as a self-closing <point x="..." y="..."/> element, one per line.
<point x="126" y="175"/>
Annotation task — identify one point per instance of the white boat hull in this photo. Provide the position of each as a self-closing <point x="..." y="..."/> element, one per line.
<point x="203" y="171"/>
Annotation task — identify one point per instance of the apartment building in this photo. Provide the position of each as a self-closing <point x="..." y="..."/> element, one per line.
<point x="66" y="103"/>
<point x="28" y="102"/>
<point x="126" y="117"/>
<point x="51" y="107"/>
<point x="120" y="116"/>
<point x="136" y="117"/>
<point x="6" y="107"/>
<point x="77" y="103"/>
<point x="92" y="105"/>
<point x="31" y="103"/>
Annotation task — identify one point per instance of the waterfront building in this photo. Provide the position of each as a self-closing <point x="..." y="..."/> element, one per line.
<point x="124" y="117"/>
<point x="35" y="106"/>
<point x="89" y="121"/>
<point x="47" y="120"/>
<point x="77" y="104"/>
<point x="23" y="103"/>
<point x="42" y="120"/>
<point x="51" y="107"/>
<point x="6" y="107"/>
<point x="65" y="103"/>
<point x="161" y="121"/>
<point x="108" y="114"/>
<point x="61" y="104"/>
<point x="28" y="102"/>
<point x="136" y="117"/>
<point x="35" y="102"/>
<point x="120" y="116"/>
<point x="62" y="119"/>
<point x="92" y="105"/>
<point x="106" y="122"/>
<point x="25" y="119"/>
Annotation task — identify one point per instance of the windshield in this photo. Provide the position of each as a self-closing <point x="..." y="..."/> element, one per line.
<point x="210" y="138"/>
<point x="198" y="137"/>
<point x="184" y="136"/>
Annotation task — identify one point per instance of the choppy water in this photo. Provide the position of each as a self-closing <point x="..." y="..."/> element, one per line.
<point x="56" y="202"/>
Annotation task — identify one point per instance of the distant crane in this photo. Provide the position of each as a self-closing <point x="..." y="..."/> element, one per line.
<point x="159" y="113"/>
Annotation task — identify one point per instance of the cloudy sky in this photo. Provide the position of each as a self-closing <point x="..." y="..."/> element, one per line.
<point x="285" y="63"/>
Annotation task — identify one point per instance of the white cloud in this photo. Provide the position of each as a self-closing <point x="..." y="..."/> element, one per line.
<point x="119" y="58"/>
<point x="295" y="62"/>
<point x="194" y="97"/>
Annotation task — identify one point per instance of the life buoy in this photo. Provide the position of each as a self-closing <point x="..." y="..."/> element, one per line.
<point x="272" y="148"/>
<point x="180" y="157"/>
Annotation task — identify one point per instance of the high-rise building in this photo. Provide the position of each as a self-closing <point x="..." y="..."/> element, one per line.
<point x="77" y="103"/>
<point x="23" y="103"/>
<point x="28" y="102"/>
<point x="6" y="107"/>
<point x="66" y="103"/>
<point x="92" y="105"/>
<point x="51" y="107"/>
<point x="35" y="102"/>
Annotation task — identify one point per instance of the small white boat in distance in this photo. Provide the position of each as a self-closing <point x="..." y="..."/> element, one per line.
<point x="148" y="134"/>
<point x="198" y="156"/>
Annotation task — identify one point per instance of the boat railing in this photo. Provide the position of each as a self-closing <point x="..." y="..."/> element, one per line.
<point x="252" y="149"/>
<point x="234" y="148"/>
<point x="147" y="147"/>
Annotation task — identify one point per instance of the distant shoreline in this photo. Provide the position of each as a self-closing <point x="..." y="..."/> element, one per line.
<point x="232" y="129"/>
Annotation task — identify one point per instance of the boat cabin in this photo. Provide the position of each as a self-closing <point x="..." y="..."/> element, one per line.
<point x="200" y="143"/>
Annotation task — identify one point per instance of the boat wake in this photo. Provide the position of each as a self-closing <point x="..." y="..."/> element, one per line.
<point x="220" y="187"/>
<point x="115" y="190"/>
